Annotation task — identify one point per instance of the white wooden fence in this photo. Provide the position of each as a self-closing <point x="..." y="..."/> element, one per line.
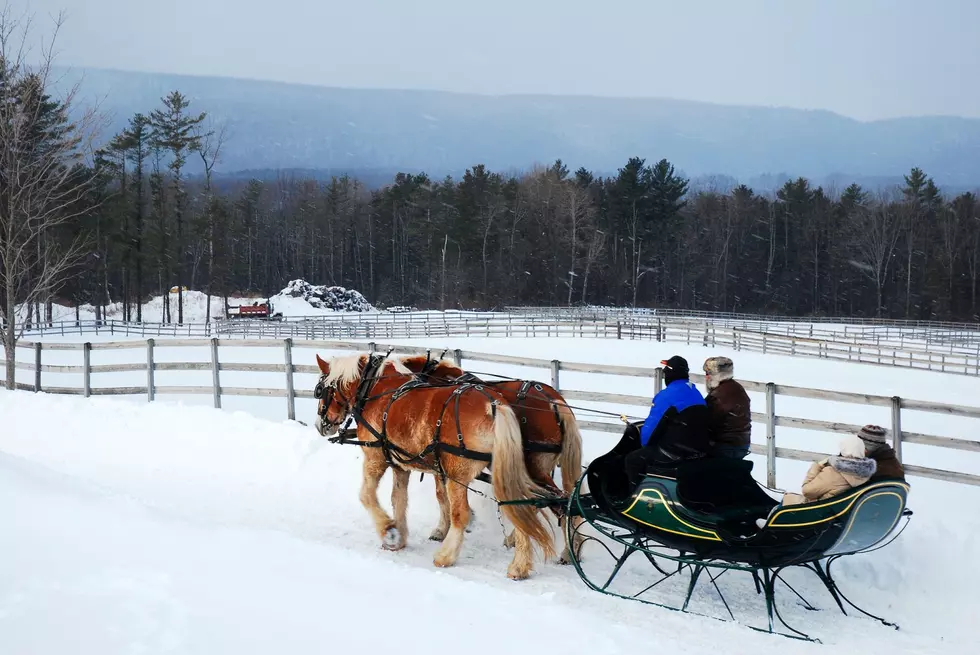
<point x="952" y="357"/>
<point x="769" y="417"/>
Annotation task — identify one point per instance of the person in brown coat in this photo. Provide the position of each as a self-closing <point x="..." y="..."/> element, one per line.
<point x="888" y="466"/>
<point x="729" y="410"/>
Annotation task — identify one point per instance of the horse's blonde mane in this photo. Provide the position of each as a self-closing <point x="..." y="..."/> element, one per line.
<point x="344" y="370"/>
<point x="443" y="361"/>
<point x="399" y="366"/>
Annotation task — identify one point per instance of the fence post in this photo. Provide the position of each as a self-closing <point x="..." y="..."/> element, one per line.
<point x="555" y="367"/>
<point x="658" y="380"/>
<point x="37" y="367"/>
<point x="214" y="373"/>
<point x="897" y="427"/>
<point x="87" y="368"/>
<point x="619" y="329"/>
<point x="458" y="357"/>
<point x="770" y="435"/>
<point x="150" y="393"/>
<point x="290" y="393"/>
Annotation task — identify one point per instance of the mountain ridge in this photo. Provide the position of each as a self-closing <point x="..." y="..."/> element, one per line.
<point x="285" y="125"/>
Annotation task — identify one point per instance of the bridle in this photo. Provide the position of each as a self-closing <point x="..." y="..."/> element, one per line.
<point x="326" y="392"/>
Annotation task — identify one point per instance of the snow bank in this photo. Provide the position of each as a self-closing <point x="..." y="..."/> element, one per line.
<point x="332" y="299"/>
<point x="162" y="527"/>
<point x="195" y="309"/>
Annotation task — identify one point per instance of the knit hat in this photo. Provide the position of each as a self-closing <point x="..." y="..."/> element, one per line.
<point x="675" y="369"/>
<point x="873" y="433"/>
<point x="851" y="446"/>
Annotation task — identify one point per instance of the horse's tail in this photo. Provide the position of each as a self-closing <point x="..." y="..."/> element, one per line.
<point x="511" y="481"/>
<point x="570" y="458"/>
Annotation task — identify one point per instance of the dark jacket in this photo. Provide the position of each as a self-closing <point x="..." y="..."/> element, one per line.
<point x="729" y="415"/>
<point x="888" y="464"/>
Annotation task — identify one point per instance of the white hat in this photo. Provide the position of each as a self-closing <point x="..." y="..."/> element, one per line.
<point x="852" y="446"/>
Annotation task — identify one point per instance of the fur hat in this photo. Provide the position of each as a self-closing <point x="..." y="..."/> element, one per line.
<point x="675" y="368"/>
<point x="873" y="433"/>
<point x="718" y="369"/>
<point x="851" y="446"/>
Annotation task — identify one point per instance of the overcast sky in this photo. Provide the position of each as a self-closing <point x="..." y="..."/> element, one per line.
<point x="862" y="58"/>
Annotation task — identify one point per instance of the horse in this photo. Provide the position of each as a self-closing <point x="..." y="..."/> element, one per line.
<point x="549" y="429"/>
<point x="453" y="431"/>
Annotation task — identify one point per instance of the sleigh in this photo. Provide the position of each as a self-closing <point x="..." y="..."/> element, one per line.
<point x="699" y="518"/>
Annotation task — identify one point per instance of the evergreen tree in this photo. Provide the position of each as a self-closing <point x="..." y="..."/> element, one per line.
<point x="174" y="130"/>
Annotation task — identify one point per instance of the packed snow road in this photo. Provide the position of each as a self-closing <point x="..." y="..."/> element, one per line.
<point x="160" y="528"/>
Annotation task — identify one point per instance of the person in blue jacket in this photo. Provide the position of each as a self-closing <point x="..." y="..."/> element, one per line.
<point x="679" y="392"/>
<point x="683" y="434"/>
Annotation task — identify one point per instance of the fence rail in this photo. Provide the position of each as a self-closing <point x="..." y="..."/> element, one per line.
<point x="750" y="318"/>
<point x="865" y="329"/>
<point x="951" y="357"/>
<point x="769" y="418"/>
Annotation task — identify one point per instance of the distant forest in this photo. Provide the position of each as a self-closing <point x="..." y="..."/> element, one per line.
<point x="551" y="236"/>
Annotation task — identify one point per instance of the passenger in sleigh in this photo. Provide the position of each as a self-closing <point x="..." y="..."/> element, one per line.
<point x="832" y="476"/>
<point x="729" y="410"/>
<point x="677" y="426"/>
<point x="884" y="456"/>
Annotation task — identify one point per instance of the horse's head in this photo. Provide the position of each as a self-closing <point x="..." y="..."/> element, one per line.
<point x="335" y="391"/>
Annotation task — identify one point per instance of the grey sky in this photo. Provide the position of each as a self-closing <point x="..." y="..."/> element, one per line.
<point x="862" y="58"/>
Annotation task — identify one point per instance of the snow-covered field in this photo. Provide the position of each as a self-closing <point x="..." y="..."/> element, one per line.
<point x="174" y="527"/>
<point x="167" y="528"/>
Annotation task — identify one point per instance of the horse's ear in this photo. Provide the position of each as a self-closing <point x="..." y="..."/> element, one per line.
<point x="324" y="367"/>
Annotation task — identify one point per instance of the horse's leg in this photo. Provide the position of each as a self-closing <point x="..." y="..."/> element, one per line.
<point x="459" y="516"/>
<point x="439" y="533"/>
<point x="399" y="502"/>
<point x="520" y="567"/>
<point x="374" y="469"/>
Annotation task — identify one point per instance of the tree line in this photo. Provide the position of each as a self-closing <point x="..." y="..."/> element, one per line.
<point x="546" y="237"/>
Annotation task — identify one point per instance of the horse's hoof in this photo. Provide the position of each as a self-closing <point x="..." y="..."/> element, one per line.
<point x="437" y="535"/>
<point x="392" y="539"/>
<point x="443" y="561"/>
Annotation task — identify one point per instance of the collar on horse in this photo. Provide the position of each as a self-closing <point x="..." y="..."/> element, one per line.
<point x="393" y="453"/>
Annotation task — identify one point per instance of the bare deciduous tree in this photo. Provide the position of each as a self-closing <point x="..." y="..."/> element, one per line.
<point x="875" y="234"/>
<point x="42" y="185"/>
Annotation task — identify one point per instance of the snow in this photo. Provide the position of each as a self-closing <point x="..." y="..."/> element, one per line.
<point x="175" y="527"/>
<point x="164" y="527"/>
<point x="783" y="370"/>
<point x="298" y="298"/>
<point x="195" y="309"/>
<point x="330" y="298"/>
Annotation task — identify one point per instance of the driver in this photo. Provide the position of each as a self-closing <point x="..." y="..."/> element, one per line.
<point x="675" y="427"/>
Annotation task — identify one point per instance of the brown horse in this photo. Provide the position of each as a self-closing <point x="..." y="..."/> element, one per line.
<point x="450" y="431"/>
<point x="545" y="418"/>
